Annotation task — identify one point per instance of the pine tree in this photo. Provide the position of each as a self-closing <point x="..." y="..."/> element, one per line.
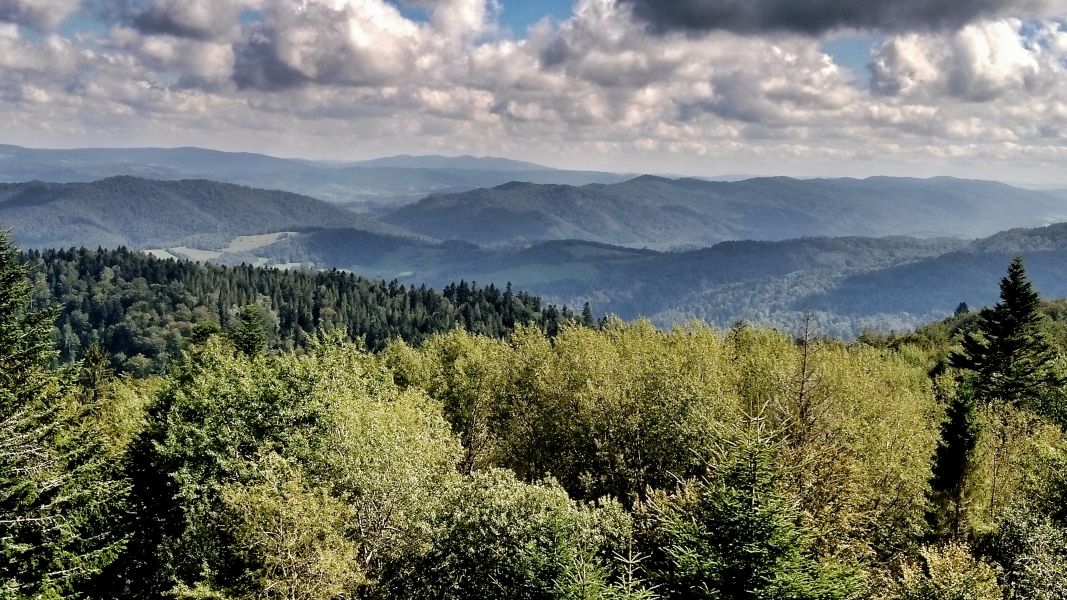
<point x="587" y="316"/>
<point x="953" y="461"/>
<point x="735" y="534"/>
<point x="1006" y="362"/>
<point x="56" y="492"/>
<point x="1007" y="355"/>
<point x="250" y="334"/>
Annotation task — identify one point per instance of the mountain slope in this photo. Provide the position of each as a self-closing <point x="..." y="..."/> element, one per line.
<point x="144" y="213"/>
<point x="463" y="163"/>
<point x="851" y="283"/>
<point x="662" y="213"/>
<point x="382" y="182"/>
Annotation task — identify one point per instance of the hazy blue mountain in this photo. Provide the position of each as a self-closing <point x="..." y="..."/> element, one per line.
<point x="662" y="213"/>
<point x="86" y="164"/>
<point x="369" y="185"/>
<point x="850" y="282"/>
<point x="465" y="163"/>
<point x="143" y="213"/>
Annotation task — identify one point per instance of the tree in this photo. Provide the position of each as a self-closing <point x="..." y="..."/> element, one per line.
<point x="56" y="492"/>
<point x="250" y="332"/>
<point x="1007" y="354"/>
<point x="954" y="459"/>
<point x="1007" y="361"/>
<point x="949" y="573"/>
<point x="587" y="316"/>
<point x="734" y="534"/>
<point x="962" y="309"/>
<point x="501" y="538"/>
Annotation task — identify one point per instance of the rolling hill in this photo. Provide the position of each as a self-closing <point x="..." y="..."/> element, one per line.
<point x="660" y="213"/>
<point x="141" y="213"/>
<point x="851" y="283"/>
<point x="368" y="185"/>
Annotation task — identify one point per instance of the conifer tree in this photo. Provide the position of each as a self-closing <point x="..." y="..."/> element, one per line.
<point x="734" y="535"/>
<point x="587" y="316"/>
<point x="56" y="494"/>
<point x="1008" y="355"/>
<point x="250" y="334"/>
<point x="954" y="459"/>
<point x="1006" y="362"/>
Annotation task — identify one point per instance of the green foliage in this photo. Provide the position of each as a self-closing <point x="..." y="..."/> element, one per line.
<point x="500" y="538"/>
<point x="360" y="449"/>
<point x="733" y="535"/>
<point x="948" y="573"/>
<point x="1031" y="551"/>
<point x="1008" y="355"/>
<point x="290" y="537"/>
<point x="58" y="491"/>
<point x="954" y="462"/>
<point x="628" y="409"/>
<point x="250" y="332"/>
<point x="143" y="311"/>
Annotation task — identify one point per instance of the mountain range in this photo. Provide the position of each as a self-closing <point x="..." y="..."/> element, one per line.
<point x="660" y="213"/>
<point x="848" y="283"/>
<point x="143" y="213"/>
<point x="373" y="185"/>
<point x="648" y="247"/>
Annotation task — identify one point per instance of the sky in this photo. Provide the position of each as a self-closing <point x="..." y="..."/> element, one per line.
<point x="968" y="88"/>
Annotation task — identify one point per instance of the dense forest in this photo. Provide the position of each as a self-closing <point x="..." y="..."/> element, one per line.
<point x="142" y="310"/>
<point x="609" y="462"/>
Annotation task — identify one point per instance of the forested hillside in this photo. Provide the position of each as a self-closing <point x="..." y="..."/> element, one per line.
<point x="143" y="311"/>
<point x="851" y="283"/>
<point x="660" y="213"/>
<point x="144" y="213"/>
<point x="611" y="462"/>
<point x="374" y="184"/>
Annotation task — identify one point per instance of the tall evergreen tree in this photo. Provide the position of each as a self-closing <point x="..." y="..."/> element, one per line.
<point x="1007" y="361"/>
<point x="953" y="462"/>
<point x="56" y="494"/>
<point x="1007" y="355"/>
<point x="587" y="316"/>
<point x="250" y="332"/>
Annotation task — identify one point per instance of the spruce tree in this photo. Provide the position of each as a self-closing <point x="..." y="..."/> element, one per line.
<point x="1007" y="355"/>
<point x="250" y="334"/>
<point x="587" y="316"/>
<point x="953" y="461"/>
<point x="735" y="535"/>
<point x="1007" y="360"/>
<point x="57" y="494"/>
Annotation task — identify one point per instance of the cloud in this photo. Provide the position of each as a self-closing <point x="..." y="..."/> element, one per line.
<point x="979" y="63"/>
<point x="38" y="14"/>
<point x="331" y="42"/>
<point x="197" y="62"/>
<point x="600" y="89"/>
<point x="52" y="56"/>
<point x="197" y="19"/>
<point x="815" y="17"/>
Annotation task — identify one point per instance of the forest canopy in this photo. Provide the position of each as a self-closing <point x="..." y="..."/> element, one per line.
<point x="584" y="460"/>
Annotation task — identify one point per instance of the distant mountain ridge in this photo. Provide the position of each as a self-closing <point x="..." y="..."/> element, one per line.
<point x="661" y="213"/>
<point x="852" y="282"/>
<point x="465" y="162"/>
<point x="144" y="213"/>
<point x="366" y="185"/>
